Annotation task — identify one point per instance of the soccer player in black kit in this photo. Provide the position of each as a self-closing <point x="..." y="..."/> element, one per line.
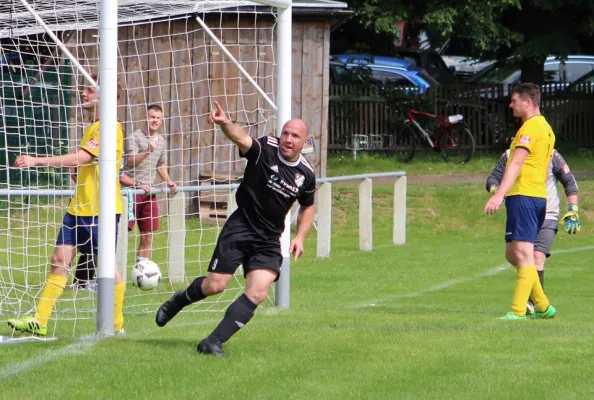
<point x="275" y="176"/>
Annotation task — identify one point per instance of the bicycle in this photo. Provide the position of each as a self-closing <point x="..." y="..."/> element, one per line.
<point x="451" y="138"/>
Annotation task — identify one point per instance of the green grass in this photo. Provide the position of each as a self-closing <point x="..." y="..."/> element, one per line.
<point x="418" y="321"/>
<point x="430" y="163"/>
<point x="28" y="245"/>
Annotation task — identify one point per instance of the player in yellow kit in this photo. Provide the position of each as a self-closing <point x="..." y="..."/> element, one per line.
<point x="79" y="228"/>
<point x="524" y="184"/>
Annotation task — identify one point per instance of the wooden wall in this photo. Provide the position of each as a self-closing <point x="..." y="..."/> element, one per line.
<point x="176" y="65"/>
<point x="311" y="54"/>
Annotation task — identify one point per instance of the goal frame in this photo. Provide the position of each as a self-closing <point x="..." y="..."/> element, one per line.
<point x="108" y="34"/>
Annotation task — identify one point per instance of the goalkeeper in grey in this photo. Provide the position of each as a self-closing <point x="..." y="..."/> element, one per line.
<point x="558" y="172"/>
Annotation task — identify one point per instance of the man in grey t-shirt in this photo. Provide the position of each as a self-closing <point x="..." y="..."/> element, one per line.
<point x="146" y="155"/>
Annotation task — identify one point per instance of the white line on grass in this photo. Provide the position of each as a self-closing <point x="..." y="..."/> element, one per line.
<point x="447" y="284"/>
<point x="87" y="342"/>
<point x="77" y="348"/>
<point x="80" y="347"/>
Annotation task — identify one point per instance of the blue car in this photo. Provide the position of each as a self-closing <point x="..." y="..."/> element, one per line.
<point x="397" y="71"/>
<point x="367" y="59"/>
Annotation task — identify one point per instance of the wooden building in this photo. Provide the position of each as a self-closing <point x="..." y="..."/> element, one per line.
<point x="175" y="64"/>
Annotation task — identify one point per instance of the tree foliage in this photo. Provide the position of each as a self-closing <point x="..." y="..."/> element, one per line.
<point x="530" y="29"/>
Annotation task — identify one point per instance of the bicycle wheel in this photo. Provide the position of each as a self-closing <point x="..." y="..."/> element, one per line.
<point x="404" y="146"/>
<point x="457" y="144"/>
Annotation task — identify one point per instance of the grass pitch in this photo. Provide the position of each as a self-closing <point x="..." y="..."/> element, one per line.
<point x="418" y="321"/>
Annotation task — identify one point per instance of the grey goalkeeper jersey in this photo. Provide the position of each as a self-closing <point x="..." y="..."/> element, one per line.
<point x="558" y="172"/>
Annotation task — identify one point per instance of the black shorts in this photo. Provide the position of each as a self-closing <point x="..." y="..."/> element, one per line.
<point x="238" y="244"/>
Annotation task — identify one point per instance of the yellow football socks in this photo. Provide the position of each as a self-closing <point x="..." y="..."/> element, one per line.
<point x="525" y="280"/>
<point x="118" y="304"/>
<point x="541" y="302"/>
<point x="52" y="290"/>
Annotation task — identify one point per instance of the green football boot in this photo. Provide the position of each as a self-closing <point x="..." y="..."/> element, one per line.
<point x="547" y="314"/>
<point x="513" y="316"/>
<point x="28" y="324"/>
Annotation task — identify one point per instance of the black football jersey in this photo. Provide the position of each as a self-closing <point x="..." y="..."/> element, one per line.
<point x="271" y="185"/>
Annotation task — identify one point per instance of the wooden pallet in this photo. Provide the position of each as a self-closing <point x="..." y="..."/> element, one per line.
<point x="211" y="205"/>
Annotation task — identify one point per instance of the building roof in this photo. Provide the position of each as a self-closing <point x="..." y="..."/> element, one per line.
<point x="321" y="8"/>
<point x="320" y="4"/>
<point x="60" y="15"/>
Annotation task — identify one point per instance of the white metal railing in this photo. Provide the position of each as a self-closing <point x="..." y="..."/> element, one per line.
<point x="177" y="220"/>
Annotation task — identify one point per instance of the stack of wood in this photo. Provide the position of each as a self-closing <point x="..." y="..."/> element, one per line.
<point x="211" y="205"/>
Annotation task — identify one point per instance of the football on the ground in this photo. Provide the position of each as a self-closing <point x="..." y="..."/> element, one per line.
<point x="146" y="275"/>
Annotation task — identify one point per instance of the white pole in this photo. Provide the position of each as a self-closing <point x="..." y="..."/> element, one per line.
<point x="51" y="34"/>
<point x="237" y="64"/>
<point x="108" y="69"/>
<point x="399" y="227"/>
<point x="283" y="114"/>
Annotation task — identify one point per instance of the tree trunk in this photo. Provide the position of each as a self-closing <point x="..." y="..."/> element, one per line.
<point x="532" y="70"/>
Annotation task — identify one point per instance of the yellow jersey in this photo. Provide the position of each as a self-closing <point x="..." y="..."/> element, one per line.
<point x="85" y="202"/>
<point x="535" y="135"/>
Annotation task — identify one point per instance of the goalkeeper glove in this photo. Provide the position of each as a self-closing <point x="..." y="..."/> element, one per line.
<point x="571" y="219"/>
<point x="493" y="189"/>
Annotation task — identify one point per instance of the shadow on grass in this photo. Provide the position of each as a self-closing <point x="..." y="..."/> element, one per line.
<point x="165" y="342"/>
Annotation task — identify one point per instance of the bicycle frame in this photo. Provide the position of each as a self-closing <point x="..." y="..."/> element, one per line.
<point x="432" y="139"/>
<point x="452" y="138"/>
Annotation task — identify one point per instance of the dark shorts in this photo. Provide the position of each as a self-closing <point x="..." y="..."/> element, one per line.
<point x="525" y="216"/>
<point x="546" y="235"/>
<point x="82" y="233"/>
<point x="239" y="244"/>
<point x="146" y="212"/>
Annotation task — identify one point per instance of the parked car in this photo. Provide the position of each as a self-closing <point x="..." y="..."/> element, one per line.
<point x="430" y="61"/>
<point x="586" y="79"/>
<point x="347" y="68"/>
<point x="366" y="59"/>
<point x="455" y="52"/>
<point x="555" y="71"/>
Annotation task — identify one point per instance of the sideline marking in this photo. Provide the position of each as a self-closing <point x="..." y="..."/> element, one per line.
<point x="78" y="348"/>
<point x="452" y="282"/>
<point x="87" y="342"/>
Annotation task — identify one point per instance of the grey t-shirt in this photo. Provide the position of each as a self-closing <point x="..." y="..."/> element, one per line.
<point x="146" y="171"/>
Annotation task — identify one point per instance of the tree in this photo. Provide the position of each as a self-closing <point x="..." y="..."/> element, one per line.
<point x="530" y="29"/>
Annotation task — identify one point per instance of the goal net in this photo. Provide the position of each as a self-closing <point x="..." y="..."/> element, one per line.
<point x="168" y="56"/>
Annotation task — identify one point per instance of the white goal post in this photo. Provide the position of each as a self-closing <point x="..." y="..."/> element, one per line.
<point x="53" y="23"/>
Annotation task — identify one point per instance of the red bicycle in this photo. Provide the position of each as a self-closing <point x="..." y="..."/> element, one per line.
<point x="451" y="138"/>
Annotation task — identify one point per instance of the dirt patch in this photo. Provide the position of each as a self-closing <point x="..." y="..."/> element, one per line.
<point x="456" y="178"/>
<point x="430" y="211"/>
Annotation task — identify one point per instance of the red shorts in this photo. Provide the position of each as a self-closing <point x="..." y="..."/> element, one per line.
<point x="146" y="211"/>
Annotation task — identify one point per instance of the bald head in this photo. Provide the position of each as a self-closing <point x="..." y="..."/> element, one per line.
<point x="298" y="124"/>
<point x="293" y="138"/>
